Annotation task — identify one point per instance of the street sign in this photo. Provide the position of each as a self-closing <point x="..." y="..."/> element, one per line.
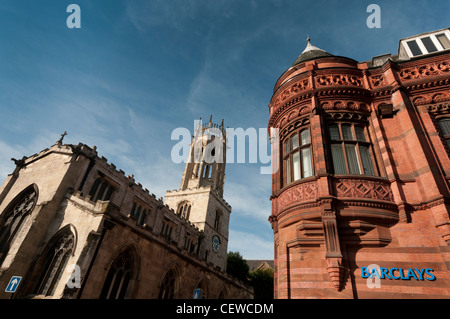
<point x="198" y="293"/>
<point x="13" y="284"/>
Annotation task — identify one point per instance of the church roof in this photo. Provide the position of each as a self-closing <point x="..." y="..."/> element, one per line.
<point x="255" y="264"/>
<point x="311" y="52"/>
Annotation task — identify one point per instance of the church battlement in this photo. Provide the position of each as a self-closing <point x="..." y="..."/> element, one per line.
<point x="200" y="189"/>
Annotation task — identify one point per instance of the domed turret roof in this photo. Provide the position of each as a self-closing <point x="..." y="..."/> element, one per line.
<point x="311" y="52"/>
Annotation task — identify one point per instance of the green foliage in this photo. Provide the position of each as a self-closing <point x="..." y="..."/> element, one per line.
<point x="260" y="279"/>
<point x="237" y="266"/>
<point x="262" y="282"/>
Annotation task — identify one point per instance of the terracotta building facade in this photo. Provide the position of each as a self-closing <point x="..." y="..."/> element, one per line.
<point x="361" y="202"/>
<point x="74" y="226"/>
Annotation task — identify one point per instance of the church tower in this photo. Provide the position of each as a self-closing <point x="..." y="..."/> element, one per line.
<point x="200" y="197"/>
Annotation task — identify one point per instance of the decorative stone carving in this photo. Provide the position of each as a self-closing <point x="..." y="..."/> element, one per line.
<point x="297" y="194"/>
<point x="423" y="71"/>
<point x="363" y="189"/>
<point x="430" y="98"/>
<point x="344" y="106"/>
<point x="338" y="79"/>
<point x="439" y="108"/>
<point x="377" y="80"/>
<point x="293" y="89"/>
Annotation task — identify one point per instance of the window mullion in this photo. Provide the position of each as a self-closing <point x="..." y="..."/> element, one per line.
<point x="300" y="158"/>
<point x="344" y="151"/>
<point x="358" y="155"/>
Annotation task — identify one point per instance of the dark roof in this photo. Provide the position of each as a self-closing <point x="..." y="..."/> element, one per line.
<point x="311" y="52"/>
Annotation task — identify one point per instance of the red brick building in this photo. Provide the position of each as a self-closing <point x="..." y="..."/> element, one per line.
<point x="361" y="202"/>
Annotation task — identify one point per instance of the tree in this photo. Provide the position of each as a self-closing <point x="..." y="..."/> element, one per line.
<point x="237" y="266"/>
<point x="262" y="282"/>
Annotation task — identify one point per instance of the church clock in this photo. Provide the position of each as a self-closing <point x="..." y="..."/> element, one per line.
<point x="215" y="243"/>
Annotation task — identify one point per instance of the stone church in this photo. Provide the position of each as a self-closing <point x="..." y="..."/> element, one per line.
<point x="74" y="226"/>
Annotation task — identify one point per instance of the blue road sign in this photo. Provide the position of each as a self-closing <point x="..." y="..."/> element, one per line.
<point x="198" y="293"/>
<point x="13" y="284"/>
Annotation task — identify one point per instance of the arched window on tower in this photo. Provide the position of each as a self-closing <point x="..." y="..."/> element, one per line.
<point x="217" y="220"/>
<point x="184" y="209"/>
<point x="119" y="276"/>
<point x="13" y="218"/>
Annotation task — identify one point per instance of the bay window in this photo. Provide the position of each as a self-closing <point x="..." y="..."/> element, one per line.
<point x="297" y="157"/>
<point x="351" y="150"/>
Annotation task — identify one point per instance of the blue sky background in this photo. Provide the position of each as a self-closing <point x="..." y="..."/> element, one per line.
<point x="136" y="70"/>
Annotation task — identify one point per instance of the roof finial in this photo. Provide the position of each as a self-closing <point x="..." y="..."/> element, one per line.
<point x="59" y="142"/>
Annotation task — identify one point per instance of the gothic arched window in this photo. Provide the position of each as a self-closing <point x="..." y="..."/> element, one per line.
<point x="169" y="285"/>
<point x="101" y="190"/>
<point x="139" y="213"/>
<point x="57" y="254"/>
<point x="184" y="210"/>
<point x="14" y="216"/>
<point x="119" y="277"/>
<point x="217" y="220"/>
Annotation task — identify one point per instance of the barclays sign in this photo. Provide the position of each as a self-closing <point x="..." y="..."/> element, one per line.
<point x="398" y="273"/>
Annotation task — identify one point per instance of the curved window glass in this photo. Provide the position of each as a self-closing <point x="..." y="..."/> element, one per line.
<point x="297" y="157"/>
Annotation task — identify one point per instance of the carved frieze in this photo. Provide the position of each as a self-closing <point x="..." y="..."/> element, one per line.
<point x="342" y="105"/>
<point x="431" y="98"/>
<point x="367" y="189"/>
<point x="439" y="108"/>
<point x="426" y="70"/>
<point x="298" y="194"/>
<point x="338" y="79"/>
<point x="377" y="80"/>
<point x="293" y="89"/>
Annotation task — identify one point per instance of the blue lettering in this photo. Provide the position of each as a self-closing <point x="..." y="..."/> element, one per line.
<point x="391" y="272"/>
<point x="402" y="275"/>
<point x="420" y="272"/>
<point x="429" y="271"/>
<point x="364" y="273"/>
<point x="384" y="272"/>
<point x="374" y="272"/>
<point x="411" y="273"/>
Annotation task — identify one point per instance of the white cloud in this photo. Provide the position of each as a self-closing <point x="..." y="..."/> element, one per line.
<point x="250" y="245"/>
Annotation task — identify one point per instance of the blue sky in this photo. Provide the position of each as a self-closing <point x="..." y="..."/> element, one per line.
<point x="136" y="70"/>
